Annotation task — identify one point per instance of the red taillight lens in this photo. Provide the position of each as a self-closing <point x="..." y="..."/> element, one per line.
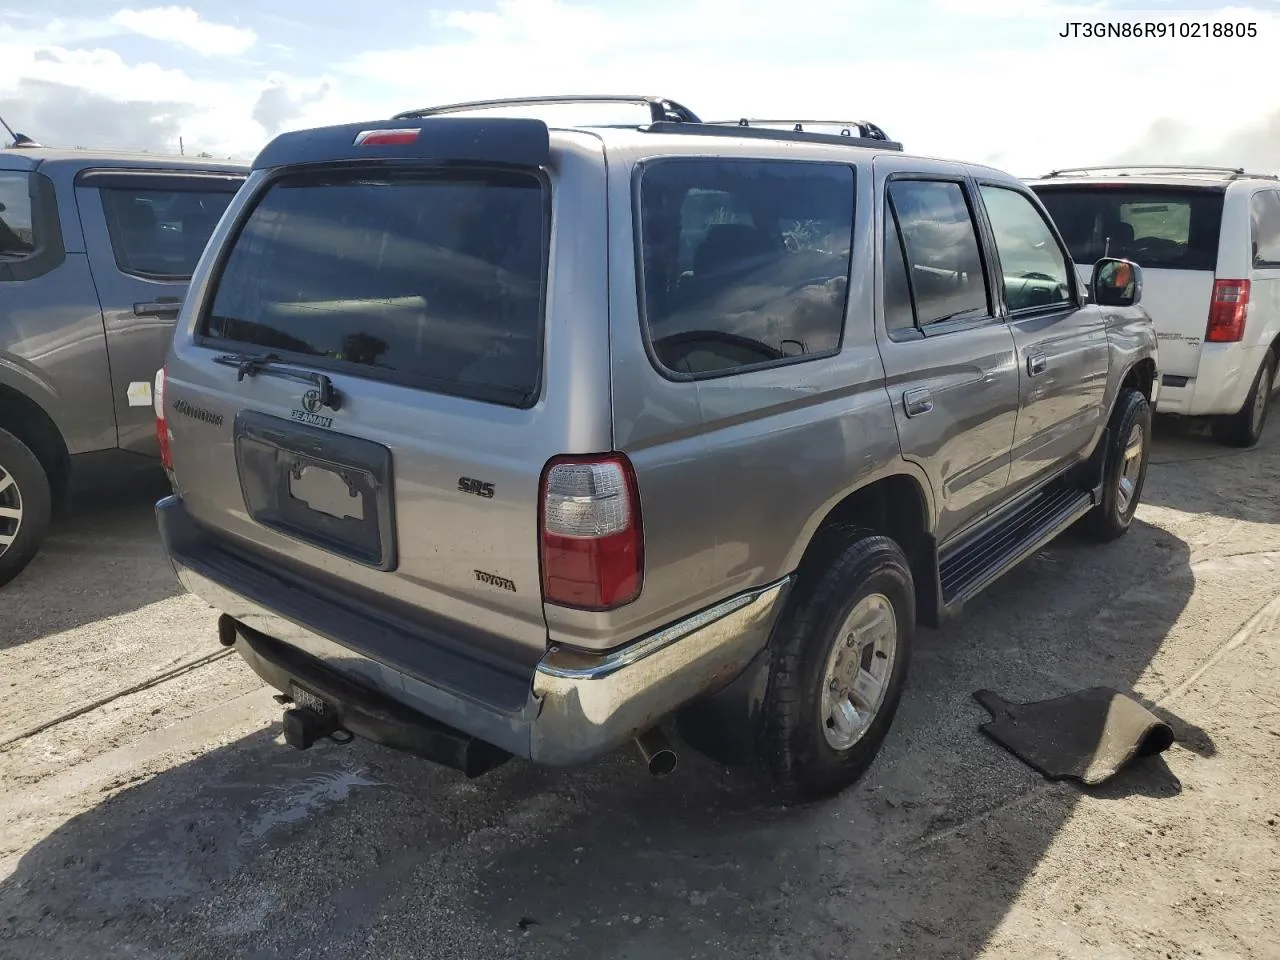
<point x="162" y="425"/>
<point x="375" y="138"/>
<point x="1228" y="309"/>
<point x="592" y="544"/>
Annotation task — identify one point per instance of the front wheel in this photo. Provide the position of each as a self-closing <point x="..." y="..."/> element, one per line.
<point x="1125" y="469"/>
<point x="839" y="667"/>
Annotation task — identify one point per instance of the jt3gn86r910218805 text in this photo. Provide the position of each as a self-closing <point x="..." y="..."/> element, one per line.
<point x="1159" y="30"/>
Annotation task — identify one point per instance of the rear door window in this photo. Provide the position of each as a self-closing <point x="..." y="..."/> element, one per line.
<point x="1266" y="229"/>
<point x="159" y="232"/>
<point x="745" y="262"/>
<point x="944" y="262"/>
<point x="1156" y="227"/>
<point x="433" y="279"/>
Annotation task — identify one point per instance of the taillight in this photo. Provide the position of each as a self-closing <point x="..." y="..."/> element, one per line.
<point x="592" y="544"/>
<point x="162" y="425"/>
<point x="1228" y="309"/>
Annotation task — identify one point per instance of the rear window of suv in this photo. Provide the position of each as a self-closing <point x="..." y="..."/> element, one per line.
<point x="1156" y="227"/>
<point x="433" y="279"/>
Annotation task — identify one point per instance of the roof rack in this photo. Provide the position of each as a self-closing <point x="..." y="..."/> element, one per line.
<point x="738" y="128"/>
<point x="661" y="109"/>
<point x="668" y="116"/>
<point x="866" y="130"/>
<point x="1129" y="169"/>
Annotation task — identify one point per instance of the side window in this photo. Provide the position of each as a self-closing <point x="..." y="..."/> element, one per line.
<point x="943" y="257"/>
<point x="745" y="263"/>
<point x="1032" y="263"/>
<point x="17" y="229"/>
<point x="899" y="312"/>
<point x="160" y="234"/>
<point x="1266" y="229"/>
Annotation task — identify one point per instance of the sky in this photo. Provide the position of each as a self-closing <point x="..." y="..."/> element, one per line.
<point x="988" y="81"/>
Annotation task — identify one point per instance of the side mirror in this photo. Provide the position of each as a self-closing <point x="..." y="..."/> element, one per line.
<point x="1116" y="283"/>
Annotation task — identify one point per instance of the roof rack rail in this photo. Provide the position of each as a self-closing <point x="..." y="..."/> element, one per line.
<point x="744" y="128"/>
<point x="865" y="129"/>
<point x="1128" y="169"/>
<point x="661" y="109"/>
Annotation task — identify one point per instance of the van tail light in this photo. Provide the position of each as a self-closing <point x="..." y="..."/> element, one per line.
<point x="1228" y="309"/>
<point x="592" y="542"/>
<point x="162" y="425"/>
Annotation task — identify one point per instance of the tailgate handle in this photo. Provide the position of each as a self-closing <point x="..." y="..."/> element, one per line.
<point x="162" y="307"/>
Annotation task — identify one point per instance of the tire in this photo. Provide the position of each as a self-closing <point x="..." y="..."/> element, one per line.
<point x="808" y="755"/>
<point x="1244" y="427"/>
<point x="1125" y="470"/>
<point x="26" y="504"/>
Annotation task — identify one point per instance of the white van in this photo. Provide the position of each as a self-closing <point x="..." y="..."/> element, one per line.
<point x="1208" y="241"/>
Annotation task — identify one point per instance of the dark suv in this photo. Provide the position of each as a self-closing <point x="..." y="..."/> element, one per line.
<point x="96" y="250"/>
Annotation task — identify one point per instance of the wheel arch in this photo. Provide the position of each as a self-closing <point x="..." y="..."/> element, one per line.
<point x="897" y="503"/>
<point x="27" y="420"/>
<point x="1139" y="375"/>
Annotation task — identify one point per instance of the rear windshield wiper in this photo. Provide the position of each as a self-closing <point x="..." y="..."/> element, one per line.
<point x="251" y="364"/>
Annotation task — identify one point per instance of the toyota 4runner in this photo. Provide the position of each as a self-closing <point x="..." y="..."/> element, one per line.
<point x="491" y="438"/>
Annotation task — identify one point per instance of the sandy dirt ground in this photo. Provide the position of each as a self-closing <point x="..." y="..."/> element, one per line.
<point x="169" y="821"/>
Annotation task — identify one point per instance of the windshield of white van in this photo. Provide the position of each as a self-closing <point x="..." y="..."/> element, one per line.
<point x="430" y="279"/>
<point x="1156" y="227"/>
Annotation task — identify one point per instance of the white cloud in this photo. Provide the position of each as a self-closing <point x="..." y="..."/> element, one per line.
<point x="1038" y="103"/>
<point x="993" y="88"/>
<point x="183" y="26"/>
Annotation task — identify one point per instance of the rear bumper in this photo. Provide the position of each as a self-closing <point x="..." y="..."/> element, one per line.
<point x="569" y="708"/>
<point x="1223" y="378"/>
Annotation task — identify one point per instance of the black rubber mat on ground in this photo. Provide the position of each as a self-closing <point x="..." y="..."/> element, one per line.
<point x="1087" y="736"/>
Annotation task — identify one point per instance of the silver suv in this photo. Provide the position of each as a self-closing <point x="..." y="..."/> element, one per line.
<point x="490" y="438"/>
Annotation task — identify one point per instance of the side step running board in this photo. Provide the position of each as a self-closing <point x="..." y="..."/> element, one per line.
<point x="975" y="562"/>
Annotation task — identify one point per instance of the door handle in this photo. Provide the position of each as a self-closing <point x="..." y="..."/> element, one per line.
<point x="1037" y="363"/>
<point x="164" y="307"/>
<point x="917" y="401"/>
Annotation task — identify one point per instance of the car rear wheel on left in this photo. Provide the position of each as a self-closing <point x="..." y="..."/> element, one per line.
<point x="25" y="506"/>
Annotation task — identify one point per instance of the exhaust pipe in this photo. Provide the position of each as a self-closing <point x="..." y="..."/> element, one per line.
<point x="658" y="754"/>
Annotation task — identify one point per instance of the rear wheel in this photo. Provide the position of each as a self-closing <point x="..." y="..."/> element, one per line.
<point x="841" y="658"/>
<point x="1125" y="470"/>
<point x="1244" y="427"/>
<point x="25" y="506"/>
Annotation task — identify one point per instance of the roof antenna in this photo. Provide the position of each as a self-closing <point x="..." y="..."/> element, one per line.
<point x="19" y="139"/>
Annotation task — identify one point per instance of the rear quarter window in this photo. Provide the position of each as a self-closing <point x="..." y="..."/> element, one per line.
<point x="433" y="279"/>
<point x="744" y="263"/>
<point x="17" y="229"/>
<point x="1265" y="217"/>
<point x="1156" y="227"/>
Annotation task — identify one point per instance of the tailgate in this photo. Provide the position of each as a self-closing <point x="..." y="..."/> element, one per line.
<point x="392" y="453"/>
<point x="1170" y="230"/>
